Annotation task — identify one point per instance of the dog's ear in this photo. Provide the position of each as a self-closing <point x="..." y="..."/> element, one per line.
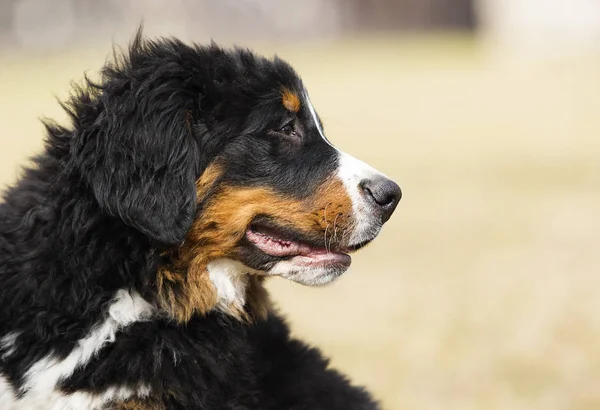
<point x="138" y="155"/>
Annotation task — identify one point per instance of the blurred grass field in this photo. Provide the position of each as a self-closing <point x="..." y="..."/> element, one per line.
<point x="482" y="292"/>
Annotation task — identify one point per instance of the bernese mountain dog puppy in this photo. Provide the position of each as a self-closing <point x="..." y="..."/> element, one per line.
<point x="133" y="253"/>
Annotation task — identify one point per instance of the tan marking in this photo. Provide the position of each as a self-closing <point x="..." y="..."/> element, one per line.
<point x="290" y="100"/>
<point x="139" y="404"/>
<point x="209" y="177"/>
<point x="184" y="286"/>
<point x="185" y="289"/>
<point x="183" y="292"/>
<point x="257" y="298"/>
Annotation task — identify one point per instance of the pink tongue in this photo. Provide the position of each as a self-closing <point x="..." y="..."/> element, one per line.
<point x="303" y="254"/>
<point x="277" y="247"/>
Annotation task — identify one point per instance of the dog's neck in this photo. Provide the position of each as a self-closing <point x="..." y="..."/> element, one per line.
<point x="198" y="286"/>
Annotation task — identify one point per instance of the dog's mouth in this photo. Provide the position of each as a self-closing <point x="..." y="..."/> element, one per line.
<point x="282" y="242"/>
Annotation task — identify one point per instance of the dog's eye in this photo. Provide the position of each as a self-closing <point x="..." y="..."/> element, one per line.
<point x="288" y="130"/>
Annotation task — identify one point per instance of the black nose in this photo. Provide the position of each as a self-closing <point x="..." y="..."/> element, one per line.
<point x="383" y="194"/>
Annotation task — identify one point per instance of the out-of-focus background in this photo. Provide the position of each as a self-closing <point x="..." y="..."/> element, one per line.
<point x="483" y="291"/>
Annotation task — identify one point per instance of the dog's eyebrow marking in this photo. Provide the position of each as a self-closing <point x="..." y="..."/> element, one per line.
<point x="290" y="100"/>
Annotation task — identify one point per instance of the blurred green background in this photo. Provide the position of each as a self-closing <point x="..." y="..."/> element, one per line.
<point x="482" y="292"/>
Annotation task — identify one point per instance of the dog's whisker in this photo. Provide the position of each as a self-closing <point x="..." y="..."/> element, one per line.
<point x="328" y="223"/>
<point x="334" y="230"/>
<point x="327" y="250"/>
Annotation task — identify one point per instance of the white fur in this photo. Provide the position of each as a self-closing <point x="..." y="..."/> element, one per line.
<point x="303" y="274"/>
<point x="76" y="401"/>
<point x="229" y="277"/>
<point x="39" y="388"/>
<point x="7" y="396"/>
<point x="352" y="172"/>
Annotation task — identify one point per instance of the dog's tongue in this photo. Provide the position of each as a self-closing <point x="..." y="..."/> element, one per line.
<point x="268" y="242"/>
<point x="278" y="247"/>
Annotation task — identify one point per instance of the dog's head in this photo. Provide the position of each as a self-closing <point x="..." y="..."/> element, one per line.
<point x="221" y="159"/>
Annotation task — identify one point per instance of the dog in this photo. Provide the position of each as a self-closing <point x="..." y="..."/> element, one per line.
<point x="134" y="251"/>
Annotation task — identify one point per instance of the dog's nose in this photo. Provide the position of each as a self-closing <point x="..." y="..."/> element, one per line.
<point x="384" y="194"/>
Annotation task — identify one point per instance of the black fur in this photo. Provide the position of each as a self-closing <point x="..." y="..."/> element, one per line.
<point x="220" y="363"/>
<point x="111" y="193"/>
